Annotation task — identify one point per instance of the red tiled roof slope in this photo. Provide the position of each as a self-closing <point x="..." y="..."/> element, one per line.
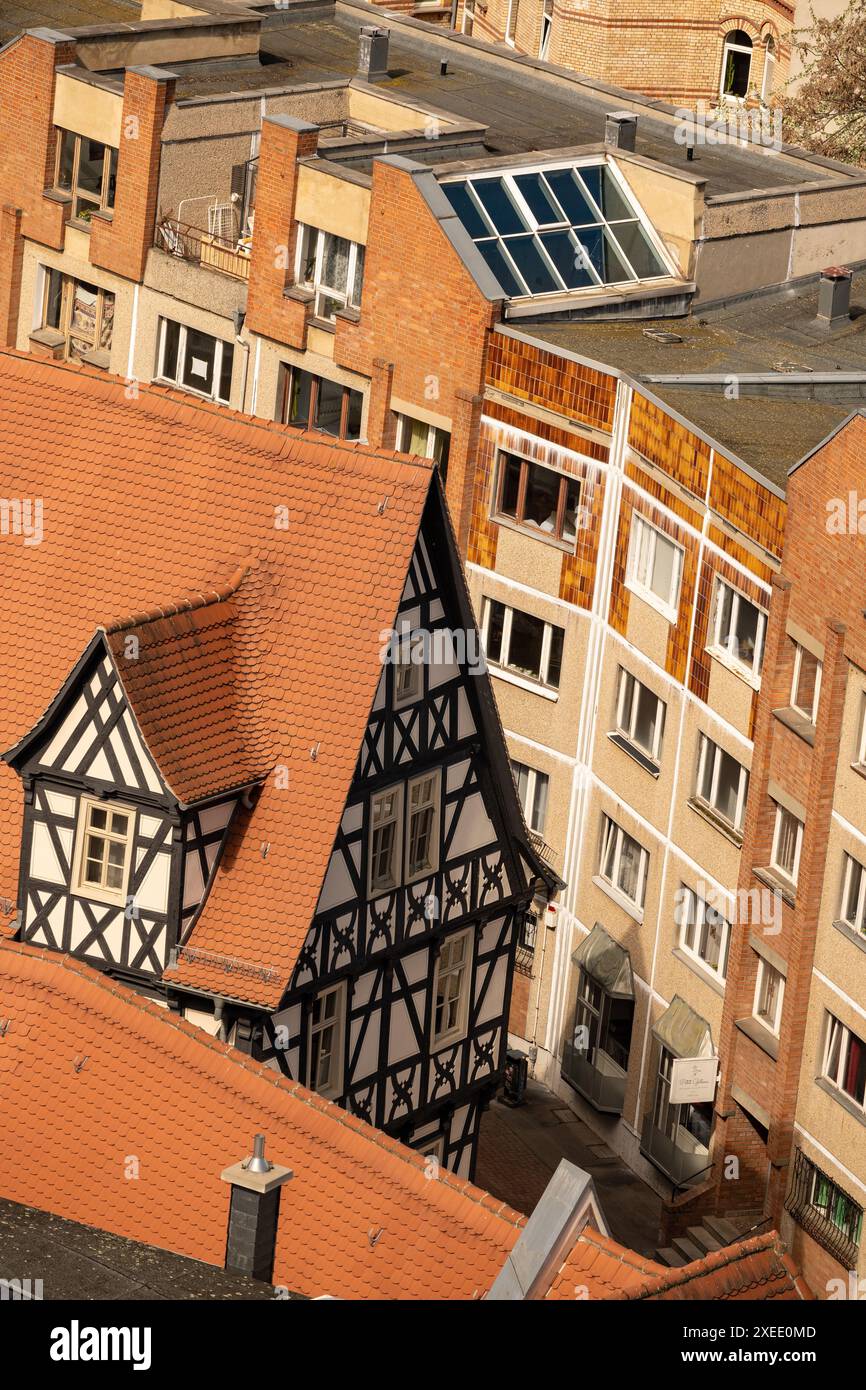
<point x="118" y="1115"/>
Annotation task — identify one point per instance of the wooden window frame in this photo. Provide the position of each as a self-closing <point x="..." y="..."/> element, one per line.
<point x="503" y="456"/>
<point x="730" y="47"/>
<point x="69" y="284"/>
<point x="458" y="1030"/>
<point x="284" y="400"/>
<point x="412" y="872"/>
<point x="378" y="890"/>
<point x="96" y="204"/>
<point x="338" y="1023"/>
<point x="116" y="897"/>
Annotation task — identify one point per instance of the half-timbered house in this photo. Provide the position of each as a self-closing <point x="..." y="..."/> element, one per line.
<point x="276" y="797"/>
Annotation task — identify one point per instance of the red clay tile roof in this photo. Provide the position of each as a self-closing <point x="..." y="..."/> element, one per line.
<point x="117" y="1114"/>
<point x="756" y="1269"/>
<point x="161" y="497"/>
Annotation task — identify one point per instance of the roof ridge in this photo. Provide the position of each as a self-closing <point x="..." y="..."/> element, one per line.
<point x="204" y="599"/>
<point x="711" y="1263"/>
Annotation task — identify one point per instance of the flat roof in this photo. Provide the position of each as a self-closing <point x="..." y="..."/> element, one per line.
<point x="17" y="15"/>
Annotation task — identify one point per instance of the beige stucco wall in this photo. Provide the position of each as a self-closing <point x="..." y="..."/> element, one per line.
<point x="334" y="204"/>
<point x="88" y="110"/>
<point x="266" y="357"/>
<point x="849" y="796"/>
<point x="152" y="306"/>
<point x="673" y="204"/>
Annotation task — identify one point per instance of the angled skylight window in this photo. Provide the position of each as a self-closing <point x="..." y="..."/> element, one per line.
<point x="545" y="231"/>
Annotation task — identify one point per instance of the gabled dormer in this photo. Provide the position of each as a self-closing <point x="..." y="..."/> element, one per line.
<point x="131" y="779"/>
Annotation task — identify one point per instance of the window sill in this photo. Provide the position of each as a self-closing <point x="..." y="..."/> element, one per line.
<point x="699" y="970"/>
<point x="759" y="1035"/>
<point x="735" y="667"/>
<point x="859" y="768"/>
<point x="671" y="615"/>
<point x="188" y="390"/>
<point x="851" y="933"/>
<point x="797" y="723"/>
<point x="103" y="214"/>
<point x="841" y="1098"/>
<point x="97" y="358"/>
<point x="94" y="895"/>
<point x="47" y="337"/>
<point x="325" y="325"/>
<point x="534" y="533"/>
<point x="771" y="879"/>
<point x="707" y="813"/>
<point x="634" y="752"/>
<point x="523" y="682"/>
<point x="57" y="195"/>
<point x="635" y="912"/>
<point x="300" y="293"/>
<point x="349" y="315"/>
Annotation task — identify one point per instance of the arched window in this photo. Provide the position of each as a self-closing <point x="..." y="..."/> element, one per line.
<point x="769" y="69"/>
<point x="736" y="64"/>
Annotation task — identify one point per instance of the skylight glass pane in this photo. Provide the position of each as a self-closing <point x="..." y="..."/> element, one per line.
<point x="541" y="205"/>
<point x="571" y="197"/>
<point x="492" y="253"/>
<point x="458" y="196"/>
<point x="531" y="264"/>
<point x="636" y="245"/>
<point x="603" y="254"/>
<point x="607" y="193"/>
<point x="504" y="215"/>
<point x="565" y="256"/>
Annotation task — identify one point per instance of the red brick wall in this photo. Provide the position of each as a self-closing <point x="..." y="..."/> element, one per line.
<point x="269" y="312"/>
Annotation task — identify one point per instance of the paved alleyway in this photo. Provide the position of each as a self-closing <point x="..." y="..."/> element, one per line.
<point x="520" y="1149"/>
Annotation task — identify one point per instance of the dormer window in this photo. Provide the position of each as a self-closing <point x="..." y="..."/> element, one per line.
<point x="103" y="850"/>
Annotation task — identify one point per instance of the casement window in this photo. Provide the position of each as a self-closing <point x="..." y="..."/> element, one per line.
<point x="386" y="839"/>
<point x="195" y="361"/>
<point x="640" y="715"/>
<point x="325" y="1033"/>
<point x="704" y="932"/>
<point x="806" y="683"/>
<point x="407" y="660"/>
<point x="314" y="403"/>
<point x="845" y="1061"/>
<point x="103" y="850"/>
<point x="422" y="829"/>
<point x="522" y="644"/>
<point x="623" y="863"/>
<point x="83" y="313"/>
<point x="537" y="498"/>
<point x="426" y="441"/>
<point x="88" y="170"/>
<point x="769" y="70"/>
<point x="655" y="567"/>
<point x="331" y="266"/>
<point x="769" y="993"/>
<point x="532" y="789"/>
<point x="853" y="909"/>
<point x="737" y="630"/>
<point x="451" y="984"/>
<point x="722" y="784"/>
<point x="546" y="25"/>
<point x="736" y="65"/>
<point x="511" y="21"/>
<point x="825" y="1210"/>
<point x="787" y="844"/>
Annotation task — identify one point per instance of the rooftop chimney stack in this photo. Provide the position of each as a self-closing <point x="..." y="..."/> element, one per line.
<point x="254" y="1212"/>
<point x="373" y="53"/>
<point x="834" y="297"/>
<point x="620" y="130"/>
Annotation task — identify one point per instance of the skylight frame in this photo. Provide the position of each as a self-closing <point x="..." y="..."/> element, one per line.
<point x="534" y="229"/>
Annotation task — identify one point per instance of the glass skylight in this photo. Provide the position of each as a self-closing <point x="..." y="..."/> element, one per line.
<point x="543" y="231"/>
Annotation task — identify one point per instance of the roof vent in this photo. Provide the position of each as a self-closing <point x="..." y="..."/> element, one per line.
<point x="257" y="1163"/>
<point x="620" y="130"/>
<point x="373" y="53"/>
<point x="834" y="297"/>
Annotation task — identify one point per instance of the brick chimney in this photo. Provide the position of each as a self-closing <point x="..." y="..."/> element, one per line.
<point x="254" y="1212"/>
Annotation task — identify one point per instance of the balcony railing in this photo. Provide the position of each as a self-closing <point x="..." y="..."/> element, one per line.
<point x="825" y="1212"/>
<point x="681" y="1158"/>
<point x="601" y="1081"/>
<point x="203" y="248"/>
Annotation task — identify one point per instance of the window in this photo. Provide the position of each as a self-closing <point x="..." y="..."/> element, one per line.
<point x="845" y="1061"/>
<point x="738" y="629"/>
<point x="467" y="20"/>
<point x="769" y="992"/>
<point x="427" y="441"/>
<point x="722" y="783"/>
<point x="386" y="817"/>
<point x="686" y="1126"/>
<point x="655" y="566"/>
<point x="451" y="988"/>
<point x="787" y="843"/>
<point x="407" y="659"/>
<point x="532" y="790"/>
<point x="422" y="847"/>
<point x="511" y="21"/>
<point x="314" y="403"/>
<point x="86" y="169"/>
<point x="769" y="70"/>
<point x="704" y="932"/>
<point x="83" y="313"/>
<point x="546" y="25"/>
<point x="195" y="361"/>
<point x="537" y="498"/>
<point x="103" y="850"/>
<point x="736" y="64"/>
<point x="623" y="862"/>
<point x="853" y="909"/>
<point x="823" y="1209"/>
<point x="806" y="684"/>
<point x="640" y="715"/>
<point x="522" y="644"/>
<point x="325" y="1042"/>
<point x="333" y="267"/>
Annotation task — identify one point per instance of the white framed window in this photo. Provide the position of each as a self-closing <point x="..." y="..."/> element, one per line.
<point x="738" y="629"/>
<point x="806" y="683"/>
<point x="769" y="77"/>
<point x="326" y="1030"/>
<point x="623" y="863"/>
<point x="769" y="993"/>
<point x="722" y="783"/>
<point x="103" y="850"/>
<point x="640" y="715"/>
<point x="452" y="979"/>
<point x="861" y="749"/>
<point x="655" y="566"/>
<point x="787" y="844"/>
<point x="736" y="65"/>
<point x="546" y="25"/>
<point x="386" y="839"/>
<point x="426" y="441"/>
<point x="845" y="1061"/>
<point x="853" y="908"/>
<point x="523" y="644"/>
<point x="422" y="827"/>
<point x="704" y="933"/>
<point x="407" y="658"/>
<point x="511" y="21"/>
<point x="333" y="267"/>
<point x="195" y="361"/>
<point x="532" y="787"/>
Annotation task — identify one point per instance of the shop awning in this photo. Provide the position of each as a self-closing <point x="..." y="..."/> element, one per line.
<point x="606" y="962"/>
<point x="683" y="1032"/>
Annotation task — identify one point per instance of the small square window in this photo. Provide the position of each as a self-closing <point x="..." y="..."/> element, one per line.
<point x="103" y="851"/>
